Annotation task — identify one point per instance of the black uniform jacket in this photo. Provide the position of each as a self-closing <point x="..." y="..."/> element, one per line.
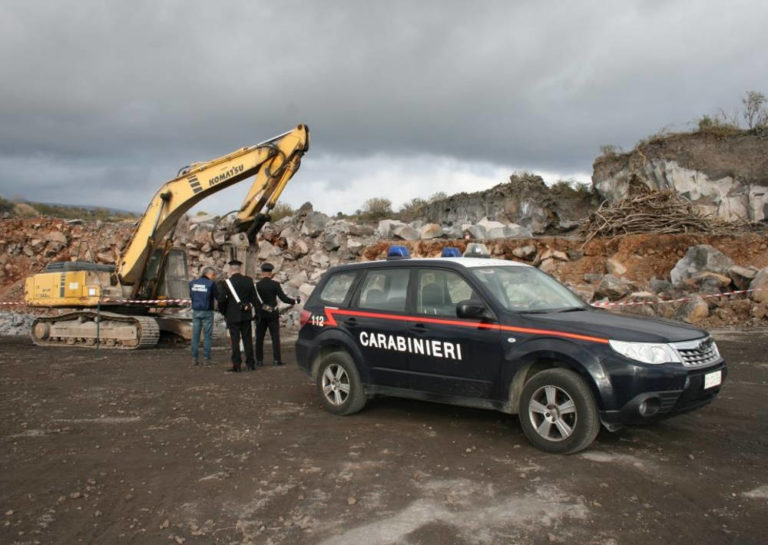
<point x="269" y="291"/>
<point x="228" y="306"/>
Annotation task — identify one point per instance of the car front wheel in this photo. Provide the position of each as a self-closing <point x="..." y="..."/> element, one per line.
<point x="558" y="412"/>
<point x="338" y="384"/>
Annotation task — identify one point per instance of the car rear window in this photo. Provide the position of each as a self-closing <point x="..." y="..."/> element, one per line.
<point x="336" y="289"/>
<point x="385" y="290"/>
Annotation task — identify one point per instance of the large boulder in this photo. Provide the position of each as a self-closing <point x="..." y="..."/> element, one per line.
<point x="760" y="286"/>
<point x="693" y="311"/>
<point x="476" y="232"/>
<point x="742" y="276"/>
<point x="314" y="224"/>
<point x="405" y="232"/>
<point x="430" y="230"/>
<point x="613" y="288"/>
<point x="386" y="228"/>
<point x="699" y="259"/>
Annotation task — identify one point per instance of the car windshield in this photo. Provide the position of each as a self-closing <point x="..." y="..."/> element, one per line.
<point x="526" y="289"/>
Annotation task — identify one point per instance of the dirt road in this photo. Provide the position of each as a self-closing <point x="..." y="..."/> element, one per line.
<point x="142" y="448"/>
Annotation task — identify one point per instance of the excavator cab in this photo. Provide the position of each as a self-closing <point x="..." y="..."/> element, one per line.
<point x="166" y="276"/>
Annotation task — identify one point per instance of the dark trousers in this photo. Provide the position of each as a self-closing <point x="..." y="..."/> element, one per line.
<point x="273" y="324"/>
<point x="238" y="330"/>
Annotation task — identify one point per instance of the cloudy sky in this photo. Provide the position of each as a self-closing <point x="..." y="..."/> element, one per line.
<point x="101" y="102"/>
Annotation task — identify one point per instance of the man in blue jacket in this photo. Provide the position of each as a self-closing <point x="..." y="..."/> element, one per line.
<point x="202" y="292"/>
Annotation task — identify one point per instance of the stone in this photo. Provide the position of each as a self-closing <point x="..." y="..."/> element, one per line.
<point x="742" y="276"/>
<point x="615" y="267"/>
<point x="267" y="250"/>
<point x="430" y="230"/>
<point x="708" y="280"/>
<point x="574" y="255"/>
<point x="525" y="252"/>
<point x="487" y="224"/>
<point x="699" y="259"/>
<point x="361" y="230"/>
<point x="476" y="232"/>
<point x="613" y="287"/>
<point x="386" y="228"/>
<point x="513" y="230"/>
<point x="355" y="246"/>
<point x="592" y="277"/>
<point x="320" y="259"/>
<point x="760" y="286"/>
<point x="405" y="232"/>
<point x="297" y="279"/>
<point x="659" y="286"/>
<point x="548" y="266"/>
<point x="314" y="223"/>
<point x="306" y="290"/>
<point x="693" y="311"/>
<point x="57" y="236"/>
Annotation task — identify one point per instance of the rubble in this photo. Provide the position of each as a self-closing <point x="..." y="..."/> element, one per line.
<point x="303" y="246"/>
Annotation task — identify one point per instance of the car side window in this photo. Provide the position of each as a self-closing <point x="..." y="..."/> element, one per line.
<point x="385" y="290"/>
<point x="337" y="288"/>
<point x="439" y="292"/>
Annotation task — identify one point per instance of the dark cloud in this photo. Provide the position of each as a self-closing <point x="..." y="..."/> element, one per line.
<point x="140" y="88"/>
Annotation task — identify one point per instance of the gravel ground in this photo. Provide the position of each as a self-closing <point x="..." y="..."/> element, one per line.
<point x="140" y="447"/>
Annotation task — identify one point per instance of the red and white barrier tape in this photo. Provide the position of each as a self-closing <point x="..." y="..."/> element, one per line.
<point x="596" y="304"/>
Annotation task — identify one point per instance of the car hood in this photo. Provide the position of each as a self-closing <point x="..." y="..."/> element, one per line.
<point x="620" y="327"/>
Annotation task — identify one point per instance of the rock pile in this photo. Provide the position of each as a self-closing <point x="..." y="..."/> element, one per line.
<point x="647" y="268"/>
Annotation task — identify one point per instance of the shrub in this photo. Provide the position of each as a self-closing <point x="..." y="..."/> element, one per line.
<point x="377" y="208"/>
<point x="281" y="210"/>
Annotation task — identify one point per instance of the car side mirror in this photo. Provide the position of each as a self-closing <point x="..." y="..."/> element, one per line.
<point x="472" y="309"/>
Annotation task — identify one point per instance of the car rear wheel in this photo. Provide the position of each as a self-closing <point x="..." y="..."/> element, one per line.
<point x="558" y="412"/>
<point x="338" y="384"/>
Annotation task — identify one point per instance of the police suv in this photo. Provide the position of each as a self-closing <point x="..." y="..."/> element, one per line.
<point x="499" y="335"/>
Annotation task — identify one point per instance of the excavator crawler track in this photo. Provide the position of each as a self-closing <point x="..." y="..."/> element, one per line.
<point x="79" y="329"/>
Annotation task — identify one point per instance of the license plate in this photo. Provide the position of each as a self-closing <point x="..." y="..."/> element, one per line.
<point x="713" y="379"/>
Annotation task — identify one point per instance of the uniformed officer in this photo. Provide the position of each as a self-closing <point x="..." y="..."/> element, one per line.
<point x="236" y="301"/>
<point x="267" y="316"/>
<point x="202" y="292"/>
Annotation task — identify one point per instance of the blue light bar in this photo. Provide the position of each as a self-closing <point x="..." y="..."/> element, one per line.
<point x="398" y="252"/>
<point x="450" y="251"/>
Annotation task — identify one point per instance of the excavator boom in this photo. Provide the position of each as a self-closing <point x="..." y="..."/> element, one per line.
<point x="272" y="163"/>
<point x="149" y="254"/>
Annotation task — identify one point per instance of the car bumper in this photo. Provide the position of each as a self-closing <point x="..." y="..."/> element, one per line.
<point x="652" y="405"/>
<point x="303" y="355"/>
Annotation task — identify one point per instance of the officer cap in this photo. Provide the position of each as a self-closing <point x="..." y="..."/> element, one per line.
<point x="267" y="267"/>
<point x="235" y="263"/>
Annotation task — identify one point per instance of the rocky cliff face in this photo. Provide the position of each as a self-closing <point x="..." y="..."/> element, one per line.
<point x="722" y="175"/>
<point x="525" y="200"/>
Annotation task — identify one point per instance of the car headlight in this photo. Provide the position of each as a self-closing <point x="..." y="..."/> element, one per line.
<point x="655" y="353"/>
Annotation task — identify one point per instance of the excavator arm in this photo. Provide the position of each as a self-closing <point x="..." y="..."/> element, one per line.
<point x="272" y="162"/>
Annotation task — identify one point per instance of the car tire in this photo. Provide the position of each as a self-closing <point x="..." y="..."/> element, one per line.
<point x="339" y="385"/>
<point x="558" y="412"/>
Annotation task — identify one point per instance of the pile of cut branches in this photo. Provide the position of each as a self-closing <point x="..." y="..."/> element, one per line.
<point x="649" y="211"/>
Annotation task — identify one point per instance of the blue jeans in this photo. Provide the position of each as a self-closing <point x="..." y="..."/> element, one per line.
<point x="202" y="319"/>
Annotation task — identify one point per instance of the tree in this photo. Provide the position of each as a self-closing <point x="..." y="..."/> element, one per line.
<point x="439" y="196"/>
<point x="377" y="208"/>
<point x="755" y="113"/>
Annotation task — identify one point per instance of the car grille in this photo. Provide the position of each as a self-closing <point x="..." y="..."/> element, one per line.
<point x="697" y="353"/>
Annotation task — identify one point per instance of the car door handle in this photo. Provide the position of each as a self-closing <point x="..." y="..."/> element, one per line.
<point x="418" y="328"/>
<point x="350" y="322"/>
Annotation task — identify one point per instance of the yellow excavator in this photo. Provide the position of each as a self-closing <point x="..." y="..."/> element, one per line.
<point x="116" y="307"/>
